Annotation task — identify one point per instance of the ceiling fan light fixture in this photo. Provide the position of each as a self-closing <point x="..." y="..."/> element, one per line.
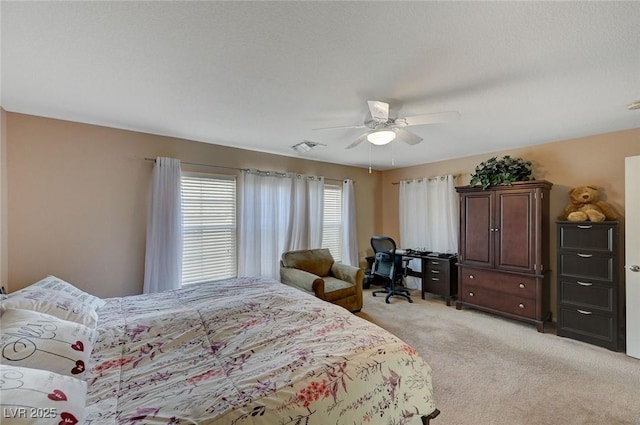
<point x="381" y="137"/>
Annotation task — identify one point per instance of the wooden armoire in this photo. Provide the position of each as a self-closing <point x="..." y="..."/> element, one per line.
<point x="503" y="257"/>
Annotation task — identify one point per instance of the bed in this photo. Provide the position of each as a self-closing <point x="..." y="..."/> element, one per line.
<point x="248" y="351"/>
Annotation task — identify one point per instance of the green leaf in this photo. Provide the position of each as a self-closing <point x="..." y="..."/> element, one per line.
<point x="505" y="170"/>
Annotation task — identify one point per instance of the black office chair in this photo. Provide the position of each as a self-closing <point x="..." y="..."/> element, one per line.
<point x="388" y="265"/>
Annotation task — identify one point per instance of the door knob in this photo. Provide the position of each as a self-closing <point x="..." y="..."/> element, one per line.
<point x="634" y="268"/>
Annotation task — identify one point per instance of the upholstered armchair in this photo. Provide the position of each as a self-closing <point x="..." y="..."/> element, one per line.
<point x="315" y="272"/>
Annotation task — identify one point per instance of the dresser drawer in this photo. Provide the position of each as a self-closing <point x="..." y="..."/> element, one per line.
<point x="589" y="295"/>
<point x="586" y="325"/>
<point x="586" y="236"/>
<point x="518" y="285"/>
<point x="586" y="265"/>
<point x="507" y="303"/>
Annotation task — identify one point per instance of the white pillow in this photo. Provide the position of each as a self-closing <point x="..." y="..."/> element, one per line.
<point x="42" y="341"/>
<point x="34" y="396"/>
<point x="52" y="302"/>
<point x="56" y="284"/>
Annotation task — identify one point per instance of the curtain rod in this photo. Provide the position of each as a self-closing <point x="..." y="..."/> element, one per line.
<point x="429" y="178"/>
<point x="233" y="168"/>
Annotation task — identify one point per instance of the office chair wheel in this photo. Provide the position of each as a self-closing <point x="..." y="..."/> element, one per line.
<point x="387" y="301"/>
<point x="410" y="300"/>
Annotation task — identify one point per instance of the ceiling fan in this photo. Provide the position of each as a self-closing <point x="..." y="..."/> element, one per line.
<point x="385" y="127"/>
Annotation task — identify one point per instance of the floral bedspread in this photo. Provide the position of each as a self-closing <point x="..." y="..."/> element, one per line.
<point x="249" y="351"/>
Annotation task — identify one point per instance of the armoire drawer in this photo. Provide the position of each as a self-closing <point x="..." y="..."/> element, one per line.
<point x="586" y="265"/>
<point x="586" y="325"/>
<point x="522" y="286"/>
<point x="586" y="236"/>
<point x="589" y="295"/>
<point x="484" y="297"/>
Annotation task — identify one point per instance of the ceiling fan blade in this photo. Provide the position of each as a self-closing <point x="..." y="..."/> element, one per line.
<point x="359" y="140"/>
<point x="339" y="127"/>
<point x="379" y="110"/>
<point x="435" y="118"/>
<point x="407" y="136"/>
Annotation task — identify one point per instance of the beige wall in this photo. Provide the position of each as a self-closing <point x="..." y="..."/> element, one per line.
<point x="78" y="198"/>
<point x="596" y="160"/>
<point x="77" y="193"/>
<point x="4" y="269"/>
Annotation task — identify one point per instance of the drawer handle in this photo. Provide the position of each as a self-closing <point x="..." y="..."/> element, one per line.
<point x="521" y="305"/>
<point x="435" y="271"/>
<point x="435" y="263"/>
<point x="585" y="255"/>
<point x="585" y="283"/>
<point x="522" y="285"/>
<point x="584" y="226"/>
<point x="470" y="276"/>
<point x="584" y="312"/>
<point x="471" y="294"/>
<point x="435" y="278"/>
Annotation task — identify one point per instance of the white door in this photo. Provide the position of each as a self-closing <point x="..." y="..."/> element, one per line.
<point x="632" y="253"/>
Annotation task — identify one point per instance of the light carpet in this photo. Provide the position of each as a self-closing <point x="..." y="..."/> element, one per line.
<point x="494" y="371"/>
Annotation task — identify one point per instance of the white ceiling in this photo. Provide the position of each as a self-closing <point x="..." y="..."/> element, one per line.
<point x="263" y="75"/>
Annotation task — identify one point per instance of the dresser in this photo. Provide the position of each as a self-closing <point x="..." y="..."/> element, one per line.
<point x="588" y="282"/>
<point x="504" y="251"/>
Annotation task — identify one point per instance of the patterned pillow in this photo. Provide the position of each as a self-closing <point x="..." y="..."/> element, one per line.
<point x="34" y="396"/>
<point x="52" y="302"/>
<point x="56" y="284"/>
<point x="39" y="340"/>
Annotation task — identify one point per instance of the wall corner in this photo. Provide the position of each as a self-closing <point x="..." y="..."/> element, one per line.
<point x="4" y="272"/>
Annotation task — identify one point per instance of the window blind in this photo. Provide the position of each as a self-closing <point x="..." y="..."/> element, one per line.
<point x="209" y="227"/>
<point x="332" y="221"/>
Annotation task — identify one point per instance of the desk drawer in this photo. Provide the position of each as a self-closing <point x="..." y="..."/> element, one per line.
<point x="522" y="286"/>
<point x="437" y="264"/>
<point x="438" y="274"/>
<point x="498" y="301"/>
<point x="437" y="285"/>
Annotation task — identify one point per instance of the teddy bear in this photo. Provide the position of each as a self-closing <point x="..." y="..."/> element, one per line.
<point x="585" y="205"/>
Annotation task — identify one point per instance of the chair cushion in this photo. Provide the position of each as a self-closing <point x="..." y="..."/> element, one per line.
<point x="316" y="261"/>
<point x="336" y="289"/>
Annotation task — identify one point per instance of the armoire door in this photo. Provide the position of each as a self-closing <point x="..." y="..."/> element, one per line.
<point x="515" y="230"/>
<point x="476" y="224"/>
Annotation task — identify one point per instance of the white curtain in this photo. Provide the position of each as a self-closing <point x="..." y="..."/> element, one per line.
<point x="349" y="228"/>
<point x="278" y="213"/>
<point x="429" y="216"/>
<point x="305" y="212"/>
<point x="163" y="257"/>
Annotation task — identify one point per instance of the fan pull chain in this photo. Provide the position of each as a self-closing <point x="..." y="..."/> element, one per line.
<point x="369" y="157"/>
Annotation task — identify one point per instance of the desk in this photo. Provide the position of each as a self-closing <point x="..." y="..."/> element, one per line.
<point x="439" y="275"/>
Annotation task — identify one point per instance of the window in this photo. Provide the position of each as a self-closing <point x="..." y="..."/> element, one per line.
<point x="332" y="221"/>
<point x="209" y="226"/>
